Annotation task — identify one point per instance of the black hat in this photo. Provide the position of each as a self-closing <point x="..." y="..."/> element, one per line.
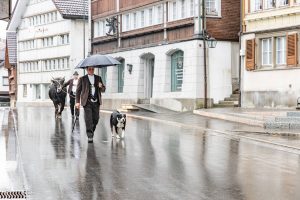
<point x="76" y="73"/>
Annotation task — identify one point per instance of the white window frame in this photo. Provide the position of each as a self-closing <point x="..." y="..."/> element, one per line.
<point x="183" y="9"/>
<point x="268" y="51"/>
<point x="268" y="4"/>
<point x="216" y="11"/>
<point x="150" y="16"/>
<point x="192" y="8"/>
<point x="135" y="24"/>
<point x="282" y="50"/>
<point x="256" y="5"/>
<point x="174" y="11"/>
<point x="282" y="3"/>
<point x="159" y="13"/>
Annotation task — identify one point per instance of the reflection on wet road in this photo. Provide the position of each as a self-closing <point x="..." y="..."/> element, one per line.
<point x="155" y="161"/>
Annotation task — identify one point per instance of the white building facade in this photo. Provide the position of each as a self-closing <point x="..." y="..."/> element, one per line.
<point x="162" y="57"/>
<point x="270" y="54"/>
<point x="50" y="43"/>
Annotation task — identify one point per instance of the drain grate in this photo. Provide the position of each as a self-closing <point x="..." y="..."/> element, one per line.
<point x="13" y="195"/>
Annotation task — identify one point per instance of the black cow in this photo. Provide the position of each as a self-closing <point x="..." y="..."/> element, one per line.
<point x="58" y="93"/>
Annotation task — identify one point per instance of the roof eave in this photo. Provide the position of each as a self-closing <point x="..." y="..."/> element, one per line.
<point x="74" y="16"/>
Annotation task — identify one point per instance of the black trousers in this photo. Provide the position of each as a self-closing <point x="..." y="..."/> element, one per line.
<point x="91" y="117"/>
<point x="72" y="103"/>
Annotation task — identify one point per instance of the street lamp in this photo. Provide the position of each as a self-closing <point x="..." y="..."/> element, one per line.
<point x="211" y="42"/>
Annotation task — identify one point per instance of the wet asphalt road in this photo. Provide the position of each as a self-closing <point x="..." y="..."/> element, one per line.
<point x="155" y="161"/>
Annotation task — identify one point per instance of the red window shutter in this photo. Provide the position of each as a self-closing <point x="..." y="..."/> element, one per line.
<point x="250" y="55"/>
<point x="292" y="49"/>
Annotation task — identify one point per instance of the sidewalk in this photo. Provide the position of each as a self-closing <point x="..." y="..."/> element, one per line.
<point x="288" y="140"/>
<point x="277" y="121"/>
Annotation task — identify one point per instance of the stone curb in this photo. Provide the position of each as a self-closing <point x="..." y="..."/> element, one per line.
<point x="237" y="137"/>
<point x="231" y="118"/>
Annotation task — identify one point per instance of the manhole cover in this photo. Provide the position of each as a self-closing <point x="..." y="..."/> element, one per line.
<point x="13" y="195"/>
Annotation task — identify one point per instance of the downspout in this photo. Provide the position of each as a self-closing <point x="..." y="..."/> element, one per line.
<point x="90" y="27"/>
<point x="242" y="15"/>
<point x="204" y="52"/>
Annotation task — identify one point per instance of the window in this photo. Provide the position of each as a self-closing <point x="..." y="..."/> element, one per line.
<point x="150" y="16"/>
<point x="211" y="7"/>
<point x="55" y="16"/>
<point x="38" y="19"/>
<point x="283" y="2"/>
<point x="274" y="51"/>
<point x="52" y="65"/>
<point x="192" y="8"/>
<point x="159" y="15"/>
<point x="96" y="29"/>
<point x="24" y="90"/>
<point x="256" y="5"/>
<point x="100" y="28"/>
<point x="142" y="18"/>
<point x="134" y="20"/>
<point x="297" y="1"/>
<point x="46" y="86"/>
<point x="5" y="81"/>
<point x="103" y="74"/>
<point x="280" y="50"/>
<point x="269" y="4"/>
<point x="267" y="51"/>
<point x="182" y="8"/>
<point x="43" y="19"/>
<point x="121" y="76"/>
<point x="176" y="71"/>
<point x="127" y="22"/>
<point x="38" y="91"/>
<point x="63" y="63"/>
<point x="68" y="63"/>
<point x="174" y="11"/>
<point x="59" y="64"/>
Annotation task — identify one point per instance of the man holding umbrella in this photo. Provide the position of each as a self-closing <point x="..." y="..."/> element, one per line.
<point x="89" y="90"/>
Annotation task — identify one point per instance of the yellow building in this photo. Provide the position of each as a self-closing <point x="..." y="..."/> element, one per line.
<point x="270" y="70"/>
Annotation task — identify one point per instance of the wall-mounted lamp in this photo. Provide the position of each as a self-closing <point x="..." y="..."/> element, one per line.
<point x="211" y="42"/>
<point x="129" y="68"/>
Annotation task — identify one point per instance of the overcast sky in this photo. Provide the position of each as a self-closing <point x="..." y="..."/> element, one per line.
<point x="3" y="24"/>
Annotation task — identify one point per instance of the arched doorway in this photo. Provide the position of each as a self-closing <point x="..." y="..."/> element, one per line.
<point x="148" y="62"/>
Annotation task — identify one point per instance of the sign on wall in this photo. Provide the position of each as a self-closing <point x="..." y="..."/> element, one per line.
<point x="4" y="9"/>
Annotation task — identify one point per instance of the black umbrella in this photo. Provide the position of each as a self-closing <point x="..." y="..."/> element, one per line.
<point x="98" y="61"/>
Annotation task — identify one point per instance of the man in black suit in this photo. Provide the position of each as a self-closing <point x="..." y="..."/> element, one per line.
<point x="88" y="93"/>
<point x="72" y="83"/>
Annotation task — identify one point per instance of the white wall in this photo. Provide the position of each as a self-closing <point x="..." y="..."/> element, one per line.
<point x="220" y="75"/>
<point x="133" y="84"/>
<point x="269" y="88"/>
<point x="220" y="70"/>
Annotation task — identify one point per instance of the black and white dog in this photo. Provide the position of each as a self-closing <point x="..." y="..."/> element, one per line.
<point x="117" y="124"/>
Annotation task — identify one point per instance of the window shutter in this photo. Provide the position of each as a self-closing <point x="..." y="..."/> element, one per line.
<point x="250" y="55"/>
<point x="292" y="49"/>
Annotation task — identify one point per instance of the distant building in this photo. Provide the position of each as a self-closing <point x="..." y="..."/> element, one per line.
<point x="270" y="50"/>
<point x="4" y="83"/>
<point x="50" y="43"/>
<point x="160" y="47"/>
<point x="10" y="64"/>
